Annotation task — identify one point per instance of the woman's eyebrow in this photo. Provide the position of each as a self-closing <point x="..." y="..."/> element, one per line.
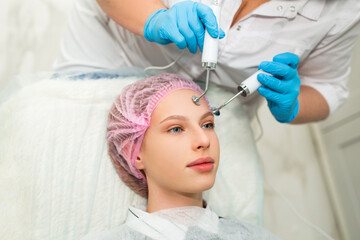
<point x="183" y="118"/>
<point x="175" y="117"/>
<point x="206" y="114"/>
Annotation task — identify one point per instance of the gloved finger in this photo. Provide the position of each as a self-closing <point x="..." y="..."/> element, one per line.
<point x="175" y="36"/>
<point x="287" y="58"/>
<point x="171" y="32"/>
<point x="208" y="18"/>
<point x="274" y="84"/>
<point x="271" y="95"/>
<point x="222" y="34"/>
<point x="190" y="38"/>
<point x="185" y="30"/>
<point x="197" y="27"/>
<point x="277" y="69"/>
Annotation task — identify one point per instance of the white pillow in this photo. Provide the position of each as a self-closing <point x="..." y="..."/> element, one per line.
<point x="57" y="180"/>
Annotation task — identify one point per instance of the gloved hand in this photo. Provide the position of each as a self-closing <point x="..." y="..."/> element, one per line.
<point x="282" y="89"/>
<point x="183" y="24"/>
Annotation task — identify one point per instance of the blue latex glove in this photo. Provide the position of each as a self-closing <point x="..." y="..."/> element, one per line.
<point x="282" y="89"/>
<point x="183" y="24"/>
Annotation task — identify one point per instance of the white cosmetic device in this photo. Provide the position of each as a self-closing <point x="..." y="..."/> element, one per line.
<point x="211" y="45"/>
<point x="210" y="49"/>
<point x="209" y="61"/>
<point x="250" y="85"/>
<point x="246" y="88"/>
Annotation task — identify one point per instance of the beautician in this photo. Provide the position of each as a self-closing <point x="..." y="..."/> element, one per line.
<point x="307" y="46"/>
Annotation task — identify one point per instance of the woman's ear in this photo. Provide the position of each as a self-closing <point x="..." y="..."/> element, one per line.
<point x="139" y="163"/>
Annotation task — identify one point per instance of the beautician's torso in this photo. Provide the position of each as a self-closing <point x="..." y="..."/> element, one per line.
<point x="255" y="31"/>
<point x="249" y="40"/>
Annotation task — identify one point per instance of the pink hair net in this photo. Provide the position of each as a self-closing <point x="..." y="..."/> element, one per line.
<point x="131" y="111"/>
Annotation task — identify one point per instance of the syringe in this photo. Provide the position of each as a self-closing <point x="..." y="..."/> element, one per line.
<point x="210" y="50"/>
<point x="246" y="88"/>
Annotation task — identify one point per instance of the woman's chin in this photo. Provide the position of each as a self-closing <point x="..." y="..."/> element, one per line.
<point x="202" y="184"/>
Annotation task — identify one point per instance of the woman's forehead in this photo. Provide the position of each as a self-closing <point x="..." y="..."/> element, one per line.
<point x="180" y="102"/>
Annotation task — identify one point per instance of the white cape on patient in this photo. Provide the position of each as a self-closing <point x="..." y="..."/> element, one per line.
<point x="180" y="223"/>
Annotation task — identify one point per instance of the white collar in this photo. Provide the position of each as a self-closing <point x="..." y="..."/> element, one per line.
<point x="169" y="223"/>
<point x="290" y="8"/>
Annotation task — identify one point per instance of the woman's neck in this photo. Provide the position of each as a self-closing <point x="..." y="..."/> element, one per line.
<point x="162" y="199"/>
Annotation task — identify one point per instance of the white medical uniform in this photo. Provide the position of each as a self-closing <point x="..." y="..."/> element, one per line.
<point x="181" y="223"/>
<point x="322" y="32"/>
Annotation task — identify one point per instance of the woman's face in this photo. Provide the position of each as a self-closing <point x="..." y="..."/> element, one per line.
<point x="180" y="133"/>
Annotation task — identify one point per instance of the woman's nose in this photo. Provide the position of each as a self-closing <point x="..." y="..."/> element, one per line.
<point x="201" y="139"/>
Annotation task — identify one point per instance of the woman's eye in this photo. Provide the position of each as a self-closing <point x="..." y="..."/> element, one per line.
<point x="208" y="125"/>
<point x="175" y="130"/>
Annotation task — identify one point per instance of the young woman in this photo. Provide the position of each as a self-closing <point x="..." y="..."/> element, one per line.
<point x="164" y="147"/>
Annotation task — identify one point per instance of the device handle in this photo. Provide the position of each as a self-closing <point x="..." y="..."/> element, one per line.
<point x="250" y="85"/>
<point x="211" y="45"/>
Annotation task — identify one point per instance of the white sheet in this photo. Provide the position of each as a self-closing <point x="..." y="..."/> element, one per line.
<point x="57" y="181"/>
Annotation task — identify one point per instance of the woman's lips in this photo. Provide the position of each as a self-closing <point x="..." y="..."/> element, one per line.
<point x="202" y="164"/>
